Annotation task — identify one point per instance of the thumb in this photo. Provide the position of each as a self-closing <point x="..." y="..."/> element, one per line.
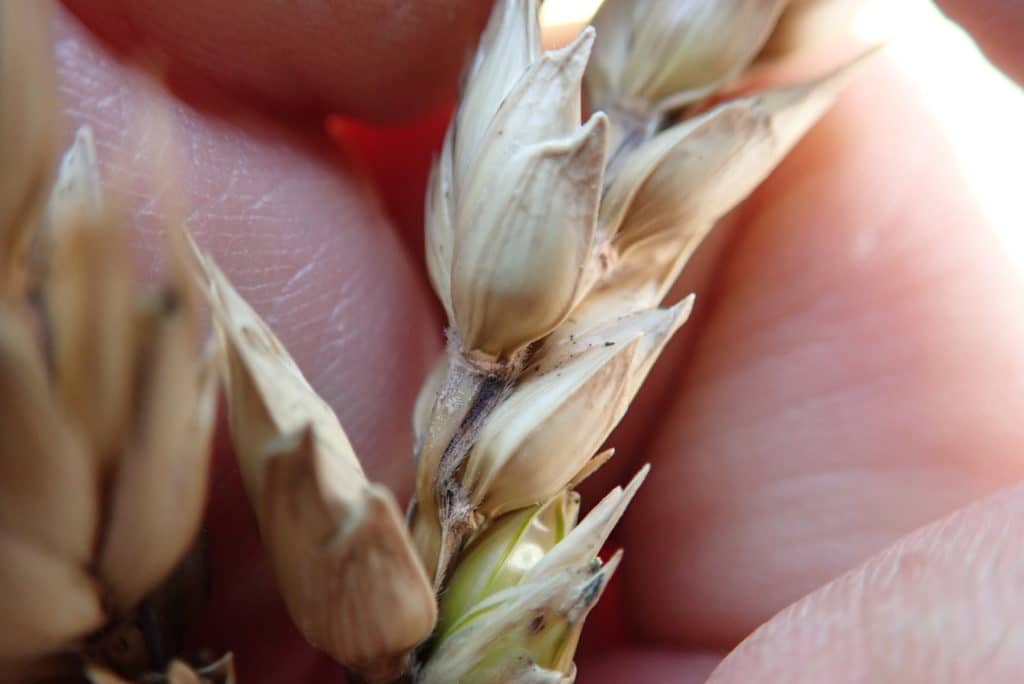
<point x="942" y="605"/>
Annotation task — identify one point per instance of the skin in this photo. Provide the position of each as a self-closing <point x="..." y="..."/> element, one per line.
<point x="854" y="371"/>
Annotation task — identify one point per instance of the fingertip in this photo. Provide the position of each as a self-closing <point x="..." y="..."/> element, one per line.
<point x="942" y="604"/>
<point x="378" y="60"/>
<point x="997" y="26"/>
<point x="884" y="394"/>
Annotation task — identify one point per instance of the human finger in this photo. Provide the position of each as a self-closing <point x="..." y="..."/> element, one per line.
<point x="858" y="376"/>
<point x="997" y="25"/>
<point x="391" y="60"/>
<point x="942" y="605"/>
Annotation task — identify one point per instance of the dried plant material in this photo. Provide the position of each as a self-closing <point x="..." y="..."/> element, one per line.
<point x="519" y="262"/>
<point x="432" y="386"/>
<point x="440" y="225"/>
<point x="29" y="134"/>
<point x="543" y="581"/>
<point x="504" y="276"/>
<point x="48" y="509"/>
<point x="154" y="631"/>
<point x="459" y="407"/>
<point x="77" y="195"/>
<point x="268" y="397"/>
<point x="514" y="280"/>
<point x="527" y="634"/>
<point x="101" y="675"/>
<point x="587" y="538"/>
<point x="90" y="303"/>
<point x="566" y="403"/>
<point x="568" y="408"/>
<point x="591" y="467"/>
<point x="49" y="601"/>
<point x="574" y="338"/>
<point x="220" y="672"/>
<point x="352" y="582"/>
<point x="683" y="179"/>
<point x="78" y="189"/>
<point x="104" y="451"/>
<point x="179" y="673"/>
<point x="129" y="381"/>
<point x="669" y="191"/>
<point x="159" y="486"/>
<point x="340" y="549"/>
<point x="509" y="45"/>
<point x="663" y="54"/>
<point x="50" y="488"/>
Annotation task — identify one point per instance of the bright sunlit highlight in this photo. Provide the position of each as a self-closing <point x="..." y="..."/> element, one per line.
<point x="977" y="108"/>
<point x="558" y="12"/>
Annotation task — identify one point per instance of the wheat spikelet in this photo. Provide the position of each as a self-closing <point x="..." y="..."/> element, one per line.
<point x="339" y="546"/>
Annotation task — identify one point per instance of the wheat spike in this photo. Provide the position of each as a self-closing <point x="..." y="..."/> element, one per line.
<point x="522" y="402"/>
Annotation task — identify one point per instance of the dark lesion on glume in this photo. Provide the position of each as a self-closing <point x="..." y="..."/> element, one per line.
<point x="537" y="624"/>
<point x="591" y="590"/>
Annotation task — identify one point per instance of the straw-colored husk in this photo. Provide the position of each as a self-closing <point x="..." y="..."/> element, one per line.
<point x="339" y="546"/>
<point x="30" y="133"/>
<point x="106" y="438"/>
<point x="108" y="403"/>
<point x="178" y="672"/>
